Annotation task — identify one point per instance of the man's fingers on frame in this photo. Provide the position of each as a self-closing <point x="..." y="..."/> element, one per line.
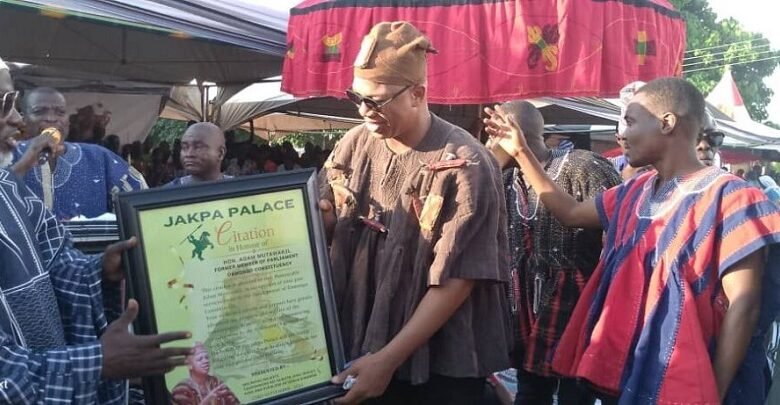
<point x="175" y="362"/>
<point x="168" y="337"/>
<point x="175" y="352"/>
<point x="166" y="364"/>
<point x="160" y="370"/>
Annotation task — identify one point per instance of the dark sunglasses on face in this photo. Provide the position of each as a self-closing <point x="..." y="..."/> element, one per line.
<point x="8" y="103"/>
<point x="712" y="137"/>
<point x="359" y="99"/>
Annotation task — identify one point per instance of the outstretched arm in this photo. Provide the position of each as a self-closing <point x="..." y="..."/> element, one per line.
<point x="507" y="134"/>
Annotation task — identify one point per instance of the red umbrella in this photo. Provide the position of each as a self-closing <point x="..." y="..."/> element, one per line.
<point x="492" y="50"/>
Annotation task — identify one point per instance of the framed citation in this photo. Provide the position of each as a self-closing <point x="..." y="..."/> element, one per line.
<point x="242" y="264"/>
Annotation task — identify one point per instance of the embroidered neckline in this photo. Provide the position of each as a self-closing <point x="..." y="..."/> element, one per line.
<point x="654" y="204"/>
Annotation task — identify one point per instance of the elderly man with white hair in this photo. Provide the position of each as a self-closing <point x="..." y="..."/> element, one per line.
<point x="12" y="129"/>
<point x="55" y="341"/>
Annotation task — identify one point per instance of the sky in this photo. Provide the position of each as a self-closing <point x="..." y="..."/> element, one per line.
<point x="751" y="13"/>
<point x="754" y="16"/>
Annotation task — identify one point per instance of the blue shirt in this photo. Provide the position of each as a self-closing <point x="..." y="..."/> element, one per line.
<point x="188" y="179"/>
<point x="85" y="178"/>
<point x="619" y="162"/>
<point x="51" y="308"/>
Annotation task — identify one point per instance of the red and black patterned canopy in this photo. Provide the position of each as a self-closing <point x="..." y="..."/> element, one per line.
<point x="493" y="50"/>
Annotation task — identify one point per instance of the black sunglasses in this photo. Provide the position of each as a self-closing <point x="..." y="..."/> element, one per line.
<point x="9" y="103"/>
<point x="359" y="99"/>
<point x="713" y="138"/>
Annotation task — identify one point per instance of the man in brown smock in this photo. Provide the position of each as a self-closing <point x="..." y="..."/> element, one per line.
<point x="419" y="249"/>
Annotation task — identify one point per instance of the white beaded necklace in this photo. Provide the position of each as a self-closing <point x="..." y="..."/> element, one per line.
<point x="554" y="154"/>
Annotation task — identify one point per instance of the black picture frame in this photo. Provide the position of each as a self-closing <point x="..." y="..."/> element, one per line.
<point x="130" y="205"/>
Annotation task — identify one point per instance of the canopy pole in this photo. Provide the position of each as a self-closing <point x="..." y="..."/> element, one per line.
<point x="124" y="47"/>
<point x="252" y="127"/>
<point x="205" y="107"/>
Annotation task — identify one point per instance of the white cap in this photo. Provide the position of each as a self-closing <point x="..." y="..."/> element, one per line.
<point x="3" y="66"/>
<point x="709" y="121"/>
<point x="626" y="93"/>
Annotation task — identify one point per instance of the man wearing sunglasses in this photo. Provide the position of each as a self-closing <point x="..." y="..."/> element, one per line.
<point x="419" y="247"/>
<point x="12" y="128"/>
<point x="710" y="141"/>
<point x="13" y="121"/>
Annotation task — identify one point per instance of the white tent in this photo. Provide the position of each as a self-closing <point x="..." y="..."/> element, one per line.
<point x="280" y="124"/>
<point x="264" y="108"/>
<point x="266" y="97"/>
<point x="164" y="41"/>
<point x="133" y="107"/>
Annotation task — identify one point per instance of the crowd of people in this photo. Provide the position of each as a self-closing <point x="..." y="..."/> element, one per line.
<point x="162" y="163"/>
<point x="642" y="280"/>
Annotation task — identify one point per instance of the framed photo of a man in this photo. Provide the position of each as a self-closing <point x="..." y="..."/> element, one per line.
<point x="242" y="264"/>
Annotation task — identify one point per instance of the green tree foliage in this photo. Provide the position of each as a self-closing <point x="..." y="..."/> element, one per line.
<point x="324" y="139"/>
<point x="167" y="130"/>
<point x="713" y="44"/>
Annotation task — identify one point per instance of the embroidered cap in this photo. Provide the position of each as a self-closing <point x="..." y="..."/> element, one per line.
<point x="393" y="53"/>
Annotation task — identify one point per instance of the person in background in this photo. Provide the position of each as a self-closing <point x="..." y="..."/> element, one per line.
<point x="160" y="172"/>
<point x="550" y="262"/>
<point x="232" y="168"/>
<point x="12" y="128"/>
<point x="79" y="179"/>
<point x="770" y="188"/>
<point x="88" y="124"/>
<point x="146" y="147"/>
<point x="112" y="143"/>
<point x="686" y="287"/>
<point x="137" y="157"/>
<point x="753" y="175"/>
<point x="249" y="168"/>
<point x="289" y="162"/>
<point x="709" y="142"/>
<point x="566" y="144"/>
<point x="558" y="141"/>
<point x="202" y="152"/>
<point x="178" y="170"/>
<point x="309" y="157"/>
<point x="621" y="163"/>
<point x="266" y="157"/>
